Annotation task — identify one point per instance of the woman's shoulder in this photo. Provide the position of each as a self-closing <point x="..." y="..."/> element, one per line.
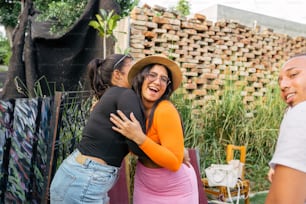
<point x="119" y="93"/>
<point x="120" y="90"/>
<point x="128" y="92"/>
<point x="166" y="104"/>
<point x="125" y="94"/>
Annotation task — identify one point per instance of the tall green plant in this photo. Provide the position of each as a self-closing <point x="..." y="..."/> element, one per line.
<point x="106" y="22"/>
<point x="185" y="108"/>
<point x="229" y="120"/>
<point x="5" y="50"/>
<point x="105" y="25"/>
<point x="22" y="88"/>
<point x="262" y="132"/>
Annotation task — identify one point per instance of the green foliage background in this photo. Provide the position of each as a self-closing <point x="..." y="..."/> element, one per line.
<point x="5" y="51"/>
<point x="9" y="13"/>
<point x="62" y="14"/>
<point x="183" y="7"/>
<point x="229" y="120"/>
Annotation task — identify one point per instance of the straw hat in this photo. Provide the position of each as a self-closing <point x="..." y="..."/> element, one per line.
<point x="157" y="59"/>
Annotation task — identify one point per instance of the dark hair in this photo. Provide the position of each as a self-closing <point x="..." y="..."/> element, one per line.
<point x="137" y="85"/>
<point x="100" y="72"/>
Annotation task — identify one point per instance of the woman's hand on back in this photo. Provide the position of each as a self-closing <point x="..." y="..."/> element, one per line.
<point x="129" y="128"/>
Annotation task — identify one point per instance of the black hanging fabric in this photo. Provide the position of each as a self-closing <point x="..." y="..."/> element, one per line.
<point x="42" y="148"/>
<point x="21" y="152"/>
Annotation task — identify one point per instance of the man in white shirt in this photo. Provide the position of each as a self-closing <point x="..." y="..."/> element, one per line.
<point x="289" y="160"/>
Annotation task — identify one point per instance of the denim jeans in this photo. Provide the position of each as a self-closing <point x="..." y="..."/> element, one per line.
<point x="76" y="183"/>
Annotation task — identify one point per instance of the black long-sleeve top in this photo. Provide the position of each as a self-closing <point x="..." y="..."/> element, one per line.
<point x="99" y="140"/>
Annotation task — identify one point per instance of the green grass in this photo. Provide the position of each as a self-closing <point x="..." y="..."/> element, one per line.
<point x="258" y="198"/>
<point x="229" y="120"/>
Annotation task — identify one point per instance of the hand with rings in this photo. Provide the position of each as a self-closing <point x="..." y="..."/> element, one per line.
<point x="130" y="128"/>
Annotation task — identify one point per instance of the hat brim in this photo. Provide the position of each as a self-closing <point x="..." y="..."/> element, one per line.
<point x="155" y="59"/>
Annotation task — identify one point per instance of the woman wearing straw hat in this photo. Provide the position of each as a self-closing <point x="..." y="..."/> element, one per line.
<point x="92" y="169"/>
<point x="163" y="178"/>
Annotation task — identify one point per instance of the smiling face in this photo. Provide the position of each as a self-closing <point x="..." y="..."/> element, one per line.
<point x="292" y="81"/>
<point x="154" y="85"/>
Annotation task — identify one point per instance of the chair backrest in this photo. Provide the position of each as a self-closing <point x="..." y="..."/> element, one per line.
<point x="194" y="160"/>
<point x="230" y="155"/>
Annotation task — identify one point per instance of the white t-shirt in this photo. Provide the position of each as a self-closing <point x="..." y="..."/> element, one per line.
<point x="291" y="144"/>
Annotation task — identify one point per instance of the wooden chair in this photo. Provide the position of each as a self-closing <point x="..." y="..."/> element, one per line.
<point x="220" y="192"/>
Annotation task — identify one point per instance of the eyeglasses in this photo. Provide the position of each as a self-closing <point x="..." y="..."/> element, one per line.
<point x="152" y="76"/>
<point x="121" y="59"/>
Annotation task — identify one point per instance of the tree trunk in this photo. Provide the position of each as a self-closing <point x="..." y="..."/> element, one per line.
<point x="61" y="60"/>
<point x="16" y="64"/>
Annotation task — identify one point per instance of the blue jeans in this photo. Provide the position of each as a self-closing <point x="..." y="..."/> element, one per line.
<point x="82" y="183"/>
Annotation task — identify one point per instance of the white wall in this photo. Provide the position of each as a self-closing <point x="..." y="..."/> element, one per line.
<point x="123" y="36"/>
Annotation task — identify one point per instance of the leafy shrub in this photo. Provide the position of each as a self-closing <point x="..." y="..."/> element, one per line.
<point x="62" y="14"/>
<point x="126" y="6"/>
<point x="9" y="12"/>
<point x="5" y="51"/>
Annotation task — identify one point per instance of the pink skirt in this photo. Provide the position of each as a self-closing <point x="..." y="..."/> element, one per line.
<point x="161" y="186"/>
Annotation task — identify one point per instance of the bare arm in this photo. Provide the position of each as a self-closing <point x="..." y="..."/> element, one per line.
<point x="288" y="186"/>
<point x="270" y="174"/>
<point x="161" y="154"/>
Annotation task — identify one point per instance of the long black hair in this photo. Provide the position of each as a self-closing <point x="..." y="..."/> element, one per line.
<point x="137" y="85"/>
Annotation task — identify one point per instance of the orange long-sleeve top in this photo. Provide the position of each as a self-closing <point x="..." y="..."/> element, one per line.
<point x="165" y="140"/>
